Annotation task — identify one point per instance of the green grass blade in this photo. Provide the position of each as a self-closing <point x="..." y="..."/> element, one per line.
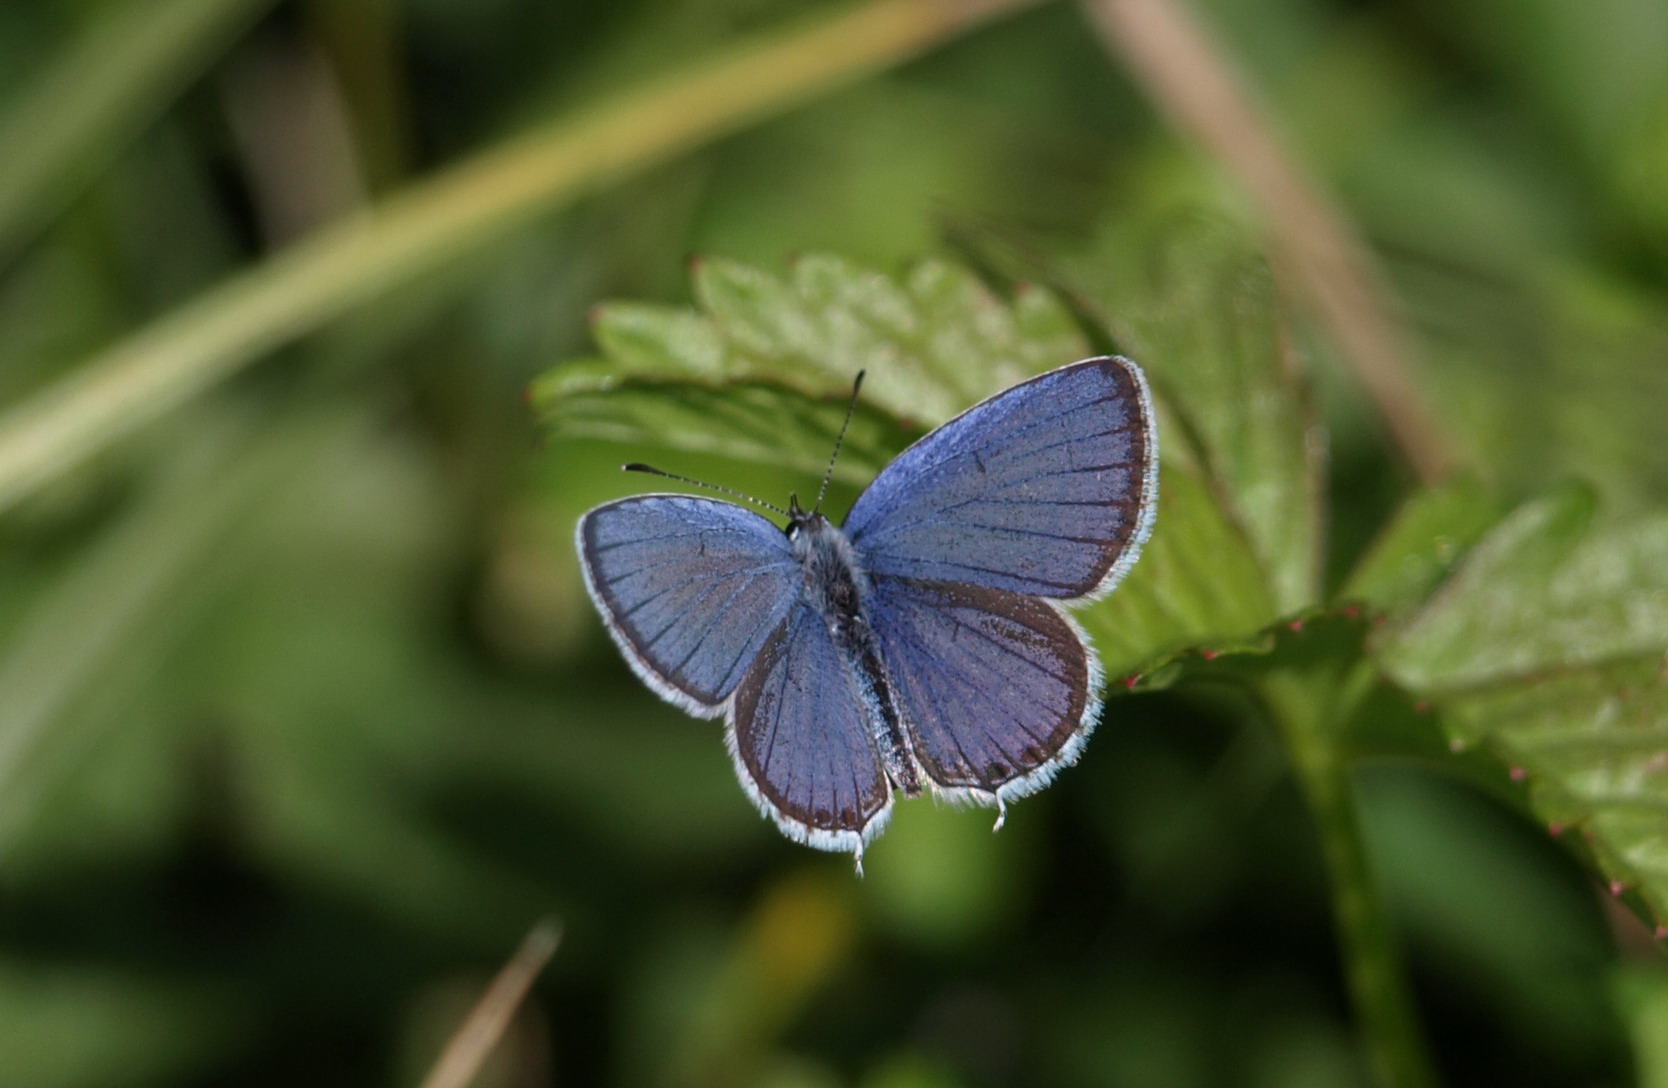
<point x="90" y="102"/>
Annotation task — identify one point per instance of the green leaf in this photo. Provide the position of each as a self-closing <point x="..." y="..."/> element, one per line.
<point x="1550" y="644"/>
<point x="761" y="370"/>
<point x="1545" y="590"/>
<point x="932" y="342"/>
<point x="1189" y="588"/>
<point x="748" y="420"/>
<point x="1198" y="308"/>
<point x="1422" y="545"/>
<point x="645" y="339"/>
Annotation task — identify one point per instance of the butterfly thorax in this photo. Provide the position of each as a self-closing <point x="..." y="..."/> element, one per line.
<point x="834" y="582"/>
<point x="836" y="587"/>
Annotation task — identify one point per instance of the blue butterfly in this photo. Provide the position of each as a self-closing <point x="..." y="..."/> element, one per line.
<point x="924" y="642"/>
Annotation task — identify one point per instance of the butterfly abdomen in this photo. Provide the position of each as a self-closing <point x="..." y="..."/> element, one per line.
<point x="836" y="588"/>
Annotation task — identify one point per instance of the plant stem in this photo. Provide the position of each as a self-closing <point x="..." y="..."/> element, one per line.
<point x="1305" y="708"/>
<point x="474" y="1041"/>
<point x="458" y="212"/>
<point x="1171" y="52"/>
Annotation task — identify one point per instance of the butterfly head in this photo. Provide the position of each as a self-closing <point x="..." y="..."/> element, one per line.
<point x="801" y="520"/>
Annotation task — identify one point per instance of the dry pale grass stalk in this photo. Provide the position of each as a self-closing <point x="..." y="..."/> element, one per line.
<point x="473" y="1041"/>
<point x="1172" y="55"/>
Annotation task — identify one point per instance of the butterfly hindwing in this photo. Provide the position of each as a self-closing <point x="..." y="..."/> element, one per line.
<point x="801" y="741"/>
<point x="997" y="689"/>
<point x="690" y="589"/>
<point x="1046" y="489"/>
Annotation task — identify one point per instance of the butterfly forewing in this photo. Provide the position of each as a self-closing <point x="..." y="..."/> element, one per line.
<point x="802" y="743"/>
<point x="1046" y="489"/>
<point x="690" y="587"/>
<point x="997" y="689"/>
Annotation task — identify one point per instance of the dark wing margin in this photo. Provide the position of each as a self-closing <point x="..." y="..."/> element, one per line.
<point x="689" y="588"/>
<point x="998" y="690"/>
<point x="801" y="744"/>
<point x="1048" y="488"/>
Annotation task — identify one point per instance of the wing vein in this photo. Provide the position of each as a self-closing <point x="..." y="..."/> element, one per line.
<point x="747" y="574"/>
<point x="712" y="621"/>
<point x="991" y="496"/>
<point x="599" y="549"/>
<point x="1010" y="651"/>
<point x="924" y="470"/>
<point x="921" y="685"/>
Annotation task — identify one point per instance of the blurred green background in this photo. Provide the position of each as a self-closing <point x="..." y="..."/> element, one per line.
<point x="305" y="719"/>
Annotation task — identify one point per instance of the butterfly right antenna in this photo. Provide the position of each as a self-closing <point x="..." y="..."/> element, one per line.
<point x="851" y="410"/>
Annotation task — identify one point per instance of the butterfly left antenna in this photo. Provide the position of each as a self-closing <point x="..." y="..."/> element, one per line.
<point x="822" y="491"/>
<point x="638" y="466"/>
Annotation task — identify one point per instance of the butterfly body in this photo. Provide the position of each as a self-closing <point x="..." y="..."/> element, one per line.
<point x="838" y="590"/>
<point x="925" y="642"/>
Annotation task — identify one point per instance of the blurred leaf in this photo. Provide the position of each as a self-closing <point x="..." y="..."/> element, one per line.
<point x="1196" y="585"/>
<point x="306" y="540"/>
<point x="89" y="104"/>
<point x="124" y="600"/>
<point x="1445" y="851"/>
<point x="76" y="1028"/>
<point x="1547" y="369"/>
<point x="1198" y="307"/>
<point x="333" y="580"/>
<point x="799" y="933"/>
<point x="944" y="878"/>
<point x="1593" y="73"/>
<point x="1642" y="995"/>
<point x="748" y="420"/>
<point x="1550" y="643"/>
<point x="1422" y="544"/>
<point x="911" y="1069"/>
